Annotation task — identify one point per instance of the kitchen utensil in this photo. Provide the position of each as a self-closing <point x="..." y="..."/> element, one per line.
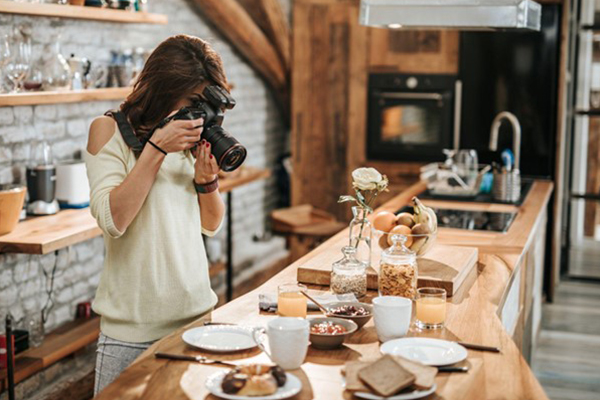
<point x="435" y="352"/>
<point x="220" y="338"/>
<point x="288" y="341"/>
<point x="415" y="394"/>
<point x="12" y="198"/>
<point x="479" y="347"/>
<point x="443" y="266"/>
<point x="453" y="369"/>
<point x="198" y="359"/>
<point x="80" y="68"/>
<point x="41" y="181"/>
<point x="322" y="308"/>
<point x="328" y="341"/>
<point x="392" y="316"/>
<point x="360" y="320"/>
<point x="72" y="186"/>
<point x="292" y="386"/>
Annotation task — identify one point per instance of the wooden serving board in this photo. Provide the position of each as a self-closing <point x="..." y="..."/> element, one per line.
<point x="443" y="266"/>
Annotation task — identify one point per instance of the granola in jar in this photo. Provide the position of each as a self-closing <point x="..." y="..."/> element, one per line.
<point x="398" y="270"/>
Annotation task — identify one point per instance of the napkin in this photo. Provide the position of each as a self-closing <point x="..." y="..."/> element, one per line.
<point x="268" y="301"/>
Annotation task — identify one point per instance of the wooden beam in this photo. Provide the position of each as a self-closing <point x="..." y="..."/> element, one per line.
<point x="269" y="16"/>
<point x="230" y="18"/>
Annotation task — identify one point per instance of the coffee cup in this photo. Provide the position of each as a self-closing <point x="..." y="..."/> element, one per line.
<point x="392" y="316"/>
<point x="288" y="341"/>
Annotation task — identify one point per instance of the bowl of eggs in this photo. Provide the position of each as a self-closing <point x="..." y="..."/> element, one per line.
<point x="419" y="228"/>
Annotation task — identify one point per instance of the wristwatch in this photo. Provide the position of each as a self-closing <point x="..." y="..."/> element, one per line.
<point x="204" y="188"/>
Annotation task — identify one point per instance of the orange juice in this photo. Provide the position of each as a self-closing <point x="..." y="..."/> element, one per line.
<point x="291" y="304"/>
<point x="431" y="310"/>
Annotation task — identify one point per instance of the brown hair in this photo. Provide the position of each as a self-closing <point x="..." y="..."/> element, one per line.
<point x="178" y="65"/>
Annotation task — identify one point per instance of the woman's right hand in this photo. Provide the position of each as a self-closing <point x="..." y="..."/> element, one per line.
<point x="178" y="135"/>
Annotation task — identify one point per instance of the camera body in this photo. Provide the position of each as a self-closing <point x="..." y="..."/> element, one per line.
<point x="228" y="152"/>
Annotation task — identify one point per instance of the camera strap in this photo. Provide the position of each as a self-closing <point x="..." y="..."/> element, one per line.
<point x="126" y="130"/>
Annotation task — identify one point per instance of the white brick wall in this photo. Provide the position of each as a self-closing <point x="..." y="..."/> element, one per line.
<point x="255" y="122"/>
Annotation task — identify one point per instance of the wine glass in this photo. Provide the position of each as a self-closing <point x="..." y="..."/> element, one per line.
<point x="19" y="63"/>
<point x="4" y="58"/>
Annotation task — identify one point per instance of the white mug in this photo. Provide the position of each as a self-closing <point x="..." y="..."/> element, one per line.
<point x="288" y="341"/>
<point x="392" y="316"/>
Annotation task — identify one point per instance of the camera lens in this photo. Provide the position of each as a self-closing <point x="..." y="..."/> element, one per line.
<point x="230" y="154"/>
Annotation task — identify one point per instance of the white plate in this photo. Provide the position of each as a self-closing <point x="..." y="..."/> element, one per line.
<point x="220" y="338"/>
<point x="292" y="387"/>
<point x="426" y="351"/>
<point x="416" y="394"/>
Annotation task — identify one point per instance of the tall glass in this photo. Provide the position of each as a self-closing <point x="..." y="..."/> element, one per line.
<point x="431" y="308"/>
<point x="290" y="300"/>
<point x="19" y="62"/>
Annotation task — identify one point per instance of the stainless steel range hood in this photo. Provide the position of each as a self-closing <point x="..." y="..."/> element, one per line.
<point x="452" y="14"/>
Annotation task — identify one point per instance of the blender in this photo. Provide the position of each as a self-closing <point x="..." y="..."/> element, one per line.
<point x="41" y="181"/>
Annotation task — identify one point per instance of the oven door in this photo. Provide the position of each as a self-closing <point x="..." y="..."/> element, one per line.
<point x="409" y="126"/>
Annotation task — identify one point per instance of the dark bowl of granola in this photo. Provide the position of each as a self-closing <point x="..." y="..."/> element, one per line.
<point x="360" y="313"/>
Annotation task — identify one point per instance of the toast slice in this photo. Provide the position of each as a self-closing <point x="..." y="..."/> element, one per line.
<point x="424" y="374"/>
<point x="353" y="382"/>
<point x="386" y="376"/>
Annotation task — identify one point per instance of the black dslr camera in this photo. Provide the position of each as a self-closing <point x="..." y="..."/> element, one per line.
<point x="229" y="153"/>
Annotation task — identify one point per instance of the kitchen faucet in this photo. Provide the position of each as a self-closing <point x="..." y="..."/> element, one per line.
<point x="516" y="127"/>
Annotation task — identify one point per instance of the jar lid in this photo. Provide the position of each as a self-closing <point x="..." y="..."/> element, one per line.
<point x="349" y="261"/>
<point x="398" y="253"/>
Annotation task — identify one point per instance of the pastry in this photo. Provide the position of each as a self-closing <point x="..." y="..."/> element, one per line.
<point x="253" y="380"/>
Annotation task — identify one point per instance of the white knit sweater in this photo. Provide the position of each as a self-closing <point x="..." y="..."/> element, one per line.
<point x="155" y="277"/>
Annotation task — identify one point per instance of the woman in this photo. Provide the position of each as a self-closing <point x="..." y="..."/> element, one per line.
<point x="153" y="207"/>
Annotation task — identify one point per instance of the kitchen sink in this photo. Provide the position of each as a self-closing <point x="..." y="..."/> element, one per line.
<point x="471" y="220"/>
<point x="526" y="184"/>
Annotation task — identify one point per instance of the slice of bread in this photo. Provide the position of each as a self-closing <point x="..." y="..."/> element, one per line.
<point x="386" y="376"/>
<point x="353" y="382"/>
<point x="424" y="374"/>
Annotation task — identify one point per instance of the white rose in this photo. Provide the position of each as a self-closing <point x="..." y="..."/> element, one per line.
<point x="366" y="178"/>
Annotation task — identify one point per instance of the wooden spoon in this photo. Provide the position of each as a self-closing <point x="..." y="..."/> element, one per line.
<point x="323" y="309"/>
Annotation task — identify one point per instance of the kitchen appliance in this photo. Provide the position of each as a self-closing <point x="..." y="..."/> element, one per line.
<point x="412" y="117"/>
<point x="72" y="186"/>
<point x="41" y="181"/>
<point x="12" y="198"/>
<point x="451" y="14"/>
<point x="515" y="71"/>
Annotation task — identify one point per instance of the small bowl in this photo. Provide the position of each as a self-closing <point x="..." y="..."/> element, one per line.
<point x="420" y="244"/>
<point x="360" y="320"/>
<point x="12" y="198"/>
<point x="330" y="342"/>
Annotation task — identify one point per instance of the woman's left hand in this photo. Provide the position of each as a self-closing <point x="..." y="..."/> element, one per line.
<point x="206" y="167"/>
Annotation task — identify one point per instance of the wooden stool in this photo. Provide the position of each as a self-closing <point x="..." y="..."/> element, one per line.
<point x="305" y="228"/>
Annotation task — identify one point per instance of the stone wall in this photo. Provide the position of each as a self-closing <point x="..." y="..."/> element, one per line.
<point x="255" y="122"/>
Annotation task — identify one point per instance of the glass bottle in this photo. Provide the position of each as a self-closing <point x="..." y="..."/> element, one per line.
<point x="361" y="234"/>
<point x="398" y="273"/>
<point x="349" y="275"/>
<point x="55" y="69"/>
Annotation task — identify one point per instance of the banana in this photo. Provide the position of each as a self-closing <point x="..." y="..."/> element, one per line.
<point x="424" y="215"/>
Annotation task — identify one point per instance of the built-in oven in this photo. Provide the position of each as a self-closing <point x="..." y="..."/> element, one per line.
<point x="412" y="117"/>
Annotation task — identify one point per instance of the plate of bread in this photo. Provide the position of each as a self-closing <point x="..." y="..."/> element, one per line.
<point x="391" y="378"/>
<point x="253" y="381"/>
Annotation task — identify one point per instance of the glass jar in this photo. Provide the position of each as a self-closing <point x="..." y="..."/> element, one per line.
<point x="361" y="234"/>
<point x="349" y="275"/>
<point x="398" y="272"/>
<point x="56" y="74"/>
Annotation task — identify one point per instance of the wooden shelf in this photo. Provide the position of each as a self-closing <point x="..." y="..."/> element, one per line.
<point x="71" y="96"/>
<point x="81" y="12"/>
<point x="42" y="235"/>
<point x="58" y="344"/>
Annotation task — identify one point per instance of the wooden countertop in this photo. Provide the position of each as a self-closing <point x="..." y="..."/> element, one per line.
<point x="472" y="317"/>
<point x="42" y="235"/>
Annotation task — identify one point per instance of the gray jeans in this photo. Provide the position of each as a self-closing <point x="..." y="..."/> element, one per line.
<point x="112" y="357"/>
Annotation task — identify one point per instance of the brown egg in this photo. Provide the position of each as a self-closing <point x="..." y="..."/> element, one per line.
<point x="384" y="221"/>
<point x="401" y="230"/>
<point x="383" y="241"/>
<point x="405" y="219"/>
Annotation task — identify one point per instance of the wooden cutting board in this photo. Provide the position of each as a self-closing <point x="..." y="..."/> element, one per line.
<point x="443" y="266"/>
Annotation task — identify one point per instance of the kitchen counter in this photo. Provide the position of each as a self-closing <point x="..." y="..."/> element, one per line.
<point x="497" y="308"/>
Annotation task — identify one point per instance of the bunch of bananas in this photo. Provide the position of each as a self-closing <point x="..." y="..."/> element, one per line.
<point x="424" y="217"/>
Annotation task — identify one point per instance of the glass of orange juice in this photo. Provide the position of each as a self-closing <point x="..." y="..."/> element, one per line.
<point x="431" y="308"/>
<point x="290" y="301"/>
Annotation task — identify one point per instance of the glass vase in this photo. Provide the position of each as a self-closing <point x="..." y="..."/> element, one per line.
<point x="361" y="235"/>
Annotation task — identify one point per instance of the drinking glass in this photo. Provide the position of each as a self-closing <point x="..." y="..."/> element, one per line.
<point x="290" y="300"/>
<point x="431" y="308"/>
<point x="19" y="62"/>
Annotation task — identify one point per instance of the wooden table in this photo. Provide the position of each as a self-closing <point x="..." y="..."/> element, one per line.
<point x="473" y="316"/>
